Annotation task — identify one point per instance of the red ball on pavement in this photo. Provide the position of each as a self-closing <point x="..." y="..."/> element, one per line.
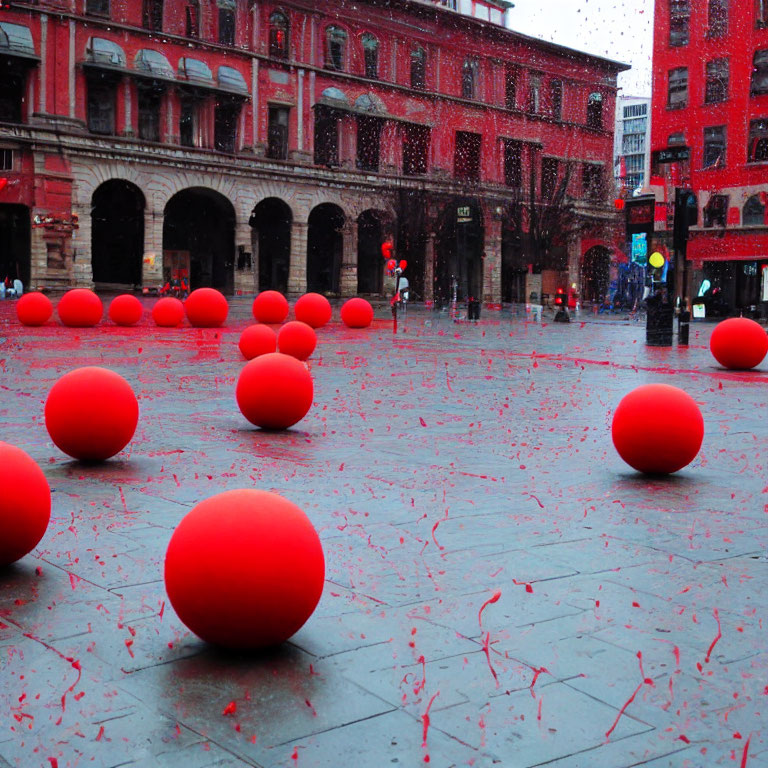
<point x="245" y="569"/>
<point x="80" y="308"/>
<point x="206" y="308"/>
<point x="257" y="340"/>
<point x="270" y="307"/>
<point x="168" y="312"/>
<point x="125" y="310"/>
<point x="313" y="309"/>
<point x="296" y="339"/>
<point x="34" y="309"/>
<point x="274" y="391"/>
<point x="25" y="503"/>
<point x="657" y="429"/>
<point x="739" y="343"/>
<point x="357" y="313"/>
<point x="91" y="413"/>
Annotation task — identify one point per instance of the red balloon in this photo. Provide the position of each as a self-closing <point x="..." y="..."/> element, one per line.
<point x="270" y="307"/>
<point x="313" y="309"/>
<point x="296" y="339"/>
<point x="357" y="313"/>
<point x="391" y="265"/>
<point x="91" y="413"/>
<point x="34" y="309"/>
<point x="257" y="340"/>
<point x="3" y="183"/>
<point x="206" y="308"/>
<point x="168" y="312"/>
<point x="245" y="569"/>
<point x="80" y="308"/>
<point x="25" y="503"/>
<point x="274" y="391"/>
<point x="739" y="343"/>
<point x="386" y="249"/>
<point x="125" y="310"/>
<point x="403" y="264"/>
<point x="657" y="429"/>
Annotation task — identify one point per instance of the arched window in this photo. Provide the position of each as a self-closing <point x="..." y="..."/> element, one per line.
<point x="418" y="67"/>
<point x="753" y="211"/>
<point x="226" y="21"/>
<point x="278" y="35"/>
<point x="371" y="55"/>
<point x="595" y="110"/>
<point x="757" y="149"/>
<point x="469" y="79"/>
<point x="335" y="48"/>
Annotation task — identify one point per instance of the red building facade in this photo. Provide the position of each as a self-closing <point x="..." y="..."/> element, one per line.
<point x="710" y="137"/>
<point x="277" y="145"/>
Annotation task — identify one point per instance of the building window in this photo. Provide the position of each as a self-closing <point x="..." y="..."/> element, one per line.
<point x="753" y="213"/>
<point x="556" y="99"/>
<point x="595" y="110"/>
<point x="632" y="143"/>
<point x="716" y="211"/>
<point x="549" y="170"/>
<point x="277" y="133"/>
<point x="11" y="96"/>
<point x="101" y="107"/>
<point x="415" y="150"/>
<point x="192" y="17"/>
<point x="278" y="35"/>
<point x="326" y="137"/>
<point x="592" y="181"/>
<point x="418" y="68"/>
<point x="152" y="15"/>
<point x="676" y="139"/>
<point x="717" y="18"/>
<point x="759" y="82"/>
<point x="714" y="147"/>
<point x="187" y="123"/>
<point x="225" y="117"/>
<point x="513" y="163"/>
<point x="466" y="161"/>
<point x="97" y="7"/>
<point x="679" y="18"/>
<point x="716" y="88"/>
<point x="6" y="159"/>
<point x="510" y="86"/>
<point x="335" y="48"/>
<point x="533" y="102"/>
<point x="677" y="88"/>
<point x="469" y="79"/>
<point x="149" y="113"/>
<point x="761" y="13"/>
<point x="757" y="150"/>
<point x="371" y="56"/>
<point x="226" y="24"/>
<point x="368" y="143"/>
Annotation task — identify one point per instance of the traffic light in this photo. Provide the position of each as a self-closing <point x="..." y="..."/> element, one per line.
<point x="560" y="298"/>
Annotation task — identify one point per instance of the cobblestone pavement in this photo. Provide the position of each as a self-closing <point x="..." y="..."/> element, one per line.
<point x="441" y="466"/>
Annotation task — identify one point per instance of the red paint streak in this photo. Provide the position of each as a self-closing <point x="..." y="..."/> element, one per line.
<point x="54" y="762"/>
<point x="487" y="652"/>
<point x="536" y="499"/>
<point x="434" y="528"/>
<point x="622" y="710"/>
<point x="419" y="687"/>
<point x="422" y="422"/>
<point x="295" y="755"/>
<point x="536" y="673"/>
<point x="538" y="712"/>
<point x="683" y="737"/>
<point x="493" y="599"/>
<point x="100" y="734"/>
<point x="745" y="754"/>
<point x="230" y="709"/>
<point x="309" y="704"/>
<point x="528" y="587"/>
<point x="717" y="636"/>
<point x="425" y="720"/>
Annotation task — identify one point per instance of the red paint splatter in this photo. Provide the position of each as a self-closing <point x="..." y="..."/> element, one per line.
<point x="745" y="753"/>
<point x="425" y="720"/>
<point x="230" y="709"/>
<point x="717" y="636"/>
<point x="487" y="652"/>
<point x="493" y="599"/>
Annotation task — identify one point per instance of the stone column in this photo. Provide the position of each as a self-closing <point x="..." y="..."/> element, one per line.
<point x="76" y="249"/>
<point x="429" y="267"/>
<point x="246" y="279"/>
<point x="574" y="259"/>
<point x="127" y="105"/>
<point x="297" y="271"/>
<point x="492" y="260"/>
<point x="152" y="263"/>
<point x="348" y="277"/>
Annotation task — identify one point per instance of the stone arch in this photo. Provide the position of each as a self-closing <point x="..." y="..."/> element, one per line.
<point x="374" y="226"/>
<point x="595" y="273"/>
<point x="459" y="251"/>
<point x="271" y="221"/>
<point x="325" y="248"/>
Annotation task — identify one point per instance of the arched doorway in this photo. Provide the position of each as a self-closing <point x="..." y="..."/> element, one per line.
<point x="513" y="266"/>
<point x="200" y="223"/>
<point x="370" y="263"/>
<point x="459" y="252"/>
<point x="117" y="233"/>
<point x="15" y="243"/>
<point x="595" y="274"/>
<point x="271" y="221"/>
<point x="325" y="246"/>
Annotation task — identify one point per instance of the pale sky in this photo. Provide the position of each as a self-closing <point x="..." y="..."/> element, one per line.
<point x="617" y="29"/>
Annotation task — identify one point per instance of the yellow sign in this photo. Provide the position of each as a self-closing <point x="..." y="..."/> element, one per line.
<point x="149" y="260"/>
<point x="656" y="260"/>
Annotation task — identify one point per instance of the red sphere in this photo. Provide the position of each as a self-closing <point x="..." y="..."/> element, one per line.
<point x="168" y="312"/>
<point x="357" y="313"/>
<point x="91" y="413"/>
<point x="403" y="265"/>
<point x="739" y="343"/>
<point x="657" y="429"/>
<point x="206" y="308"/>
<point x="313" y="309"/>
<point x="296" y="339"/>
<point x="25" y="503"/>
<point x="257" y="340"/>
<point x="270" y="307"/>
<point x="80" y="308"/>
<point x="125" y="309"/>
<point x="34" y="309"/>
<point x="244" y="569"/>
<point x="274" y="391"/>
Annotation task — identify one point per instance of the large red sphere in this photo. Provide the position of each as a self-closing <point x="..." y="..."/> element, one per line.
<point x="245" y="569"/>
<point x="34" y="309"/>
<point x="270" y="307"/>
<point x="357" y="313"/>
<point x="25" y="503"/>
<point x="125" y="310"/>
<point x="257" y="340"/>
<point x="739" y="343"/>
<point x="313" y="309"/>
<point x="296" y="339"/>
<point x="206" y="308"/>
<point x="657" y="429"/>
<point x="80" y="308"/>
<point x="91" y="413"/>
<point x="168" y="312"/>
<point x="274" y="391"/>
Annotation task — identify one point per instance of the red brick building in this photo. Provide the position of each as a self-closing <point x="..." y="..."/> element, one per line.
<point x="710" y="137"/>
<point x="265" y="144"/>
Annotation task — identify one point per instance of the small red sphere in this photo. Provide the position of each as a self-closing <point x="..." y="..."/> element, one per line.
<point x="657" y="429"/>
<point x="125" y="309"/>
<point x="403" y="265"/>
<point x="270" y="307"/>
<point x="739" y="343"/>
<point x="296" y="339"/>
<point x="80" y="308"/>
<point x="25" y="503"/>
<point x="313" y="309"/>
<point x="245" y="569"/>
<point x="357" y="313"/>
<point x="168" y="312"/>
<point x="206" y="308"/>
<point x="34" y="309"/>
<point x="274" y="391"/>
<point x="257" y="340"/>
<point x="91" y="413"/>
